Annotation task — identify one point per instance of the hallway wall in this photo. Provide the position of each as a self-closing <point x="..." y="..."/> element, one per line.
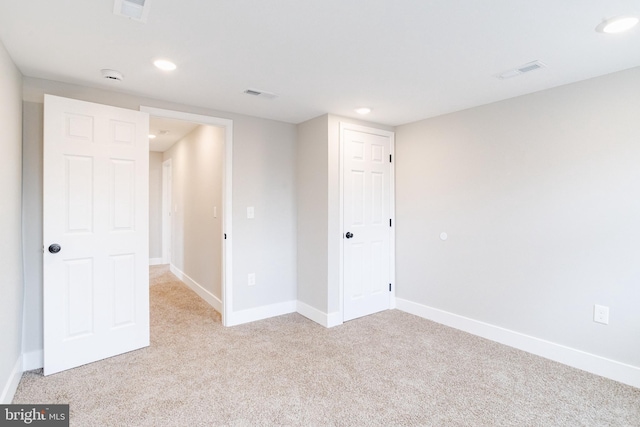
<point x="155" y="205"/>
<point x="196" y="162"/>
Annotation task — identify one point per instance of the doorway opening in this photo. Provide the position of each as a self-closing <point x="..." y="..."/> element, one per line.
<point x="195" y="198"/>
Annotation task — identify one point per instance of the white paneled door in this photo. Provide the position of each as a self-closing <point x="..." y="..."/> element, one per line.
<point x="95" y="232"/>
<point x="366" y="221"/>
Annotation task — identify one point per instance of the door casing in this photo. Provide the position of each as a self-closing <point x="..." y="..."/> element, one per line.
<point x="228" y="318"/>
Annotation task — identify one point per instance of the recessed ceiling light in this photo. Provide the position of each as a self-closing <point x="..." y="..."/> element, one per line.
<point x="617" y="24"/>
<point x="363" y="110"/>
<point x="164" y="64"/>
<point x="151" y="136"/>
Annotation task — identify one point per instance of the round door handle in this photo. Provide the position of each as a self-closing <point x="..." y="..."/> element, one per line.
<point x="349" y="235"/>
<point x="55" y="248"/>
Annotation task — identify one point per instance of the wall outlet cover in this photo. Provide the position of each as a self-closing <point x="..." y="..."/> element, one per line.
<point x="601" y="314"/>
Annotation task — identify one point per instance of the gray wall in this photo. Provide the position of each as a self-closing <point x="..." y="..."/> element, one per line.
<point x="196" y="170"/>
<point x="540" y="198"/>
<point x="155" y="204"/>
<point x="263" y="177"/>
<point x="312" y="178"/>
<point x="32" y="219"/>
<point x="11" y="302"/>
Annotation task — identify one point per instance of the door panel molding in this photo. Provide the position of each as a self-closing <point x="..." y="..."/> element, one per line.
<point x="95" y="227"/>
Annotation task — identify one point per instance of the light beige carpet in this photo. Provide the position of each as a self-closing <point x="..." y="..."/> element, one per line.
<point x="389" y="369"/>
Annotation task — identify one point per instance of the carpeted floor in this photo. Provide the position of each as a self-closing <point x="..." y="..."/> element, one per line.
<point x="388" y="369"/>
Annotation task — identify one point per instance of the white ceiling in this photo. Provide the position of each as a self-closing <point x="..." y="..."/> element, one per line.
<point x="167" y="132"/>
<point x="406" y="59"/>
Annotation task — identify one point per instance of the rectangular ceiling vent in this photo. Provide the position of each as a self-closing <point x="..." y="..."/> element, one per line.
<point x="261" y="93"/>
<point x="526" y="68"/>
<point x="137" y="10"/>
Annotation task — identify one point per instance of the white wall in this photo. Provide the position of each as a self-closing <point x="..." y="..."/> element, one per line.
<point x="263" y="177"/>
<point x="539" y="196"/>
<point x="155" y="204"/>
<point x="196" y="162"/>
<point x="11" y="301"/>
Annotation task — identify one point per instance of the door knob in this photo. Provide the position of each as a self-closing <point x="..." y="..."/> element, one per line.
<point x="349" y="235"/>
<point x="55" y="248"/>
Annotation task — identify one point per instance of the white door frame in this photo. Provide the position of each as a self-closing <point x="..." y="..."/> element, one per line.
<point x="392" y="209"/>
<point x="167" y="214"/>
<point x="227" y="125"/>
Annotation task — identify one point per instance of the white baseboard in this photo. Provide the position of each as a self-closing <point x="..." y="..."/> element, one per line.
<point x="33" y="360"/>
<point x="10" y="387"/>
<point x="259" y="313"/>
<point x="598" y="365"/>
<point x="334" y="319"/>
<point x="206" y="295"/>
<point x="155" y="261"/>
<point x="327" y="320"/>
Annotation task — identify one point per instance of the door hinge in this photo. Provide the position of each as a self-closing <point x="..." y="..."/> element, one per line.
<point x="225" y="236"/>
<point x="390" y="223"/>
<point x="389" y="287"/>
<point x="389" y="158"/>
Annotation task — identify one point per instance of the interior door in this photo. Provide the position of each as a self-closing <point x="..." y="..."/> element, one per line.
<point x="95" y="232"/>
<point x="367" y="221"/>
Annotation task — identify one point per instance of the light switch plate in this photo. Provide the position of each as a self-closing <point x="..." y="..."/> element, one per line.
<point x="250" y="212"/>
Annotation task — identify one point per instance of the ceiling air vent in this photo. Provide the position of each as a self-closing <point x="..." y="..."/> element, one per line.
<point x="112" y="75"/>
<point x="261" y="93"/>
<point x="531" y="66"/>
<point x="138" y="10"/>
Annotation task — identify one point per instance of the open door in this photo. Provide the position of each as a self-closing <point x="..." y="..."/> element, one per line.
<point x="95" y="232"/>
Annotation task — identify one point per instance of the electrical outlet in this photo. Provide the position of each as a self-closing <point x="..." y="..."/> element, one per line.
<point x="252" y="279"/>
<point x="601" y="314"/>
